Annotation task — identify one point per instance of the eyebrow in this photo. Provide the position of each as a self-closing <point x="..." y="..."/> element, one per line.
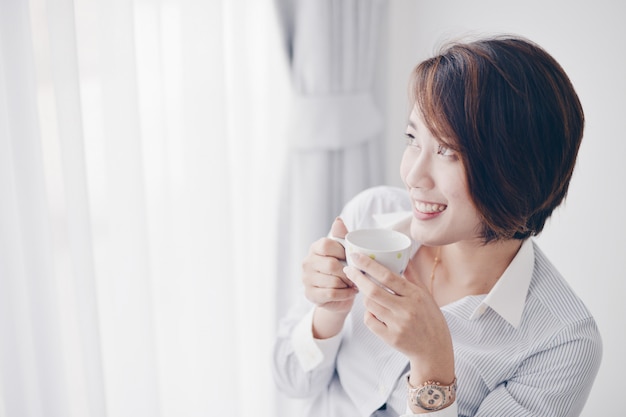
<point x="411" y="124"/>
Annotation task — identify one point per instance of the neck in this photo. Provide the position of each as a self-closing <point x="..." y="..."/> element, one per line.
<point x="476" y="267"/>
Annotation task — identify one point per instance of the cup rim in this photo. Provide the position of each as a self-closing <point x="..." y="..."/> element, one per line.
<point x="407" y="239"/>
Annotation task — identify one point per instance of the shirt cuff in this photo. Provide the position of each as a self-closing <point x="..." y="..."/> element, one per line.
<point x="311" y="352"/>
<point x="450" y="411"/>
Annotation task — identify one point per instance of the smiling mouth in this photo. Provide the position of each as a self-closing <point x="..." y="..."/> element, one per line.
<point x="429" y="208"/>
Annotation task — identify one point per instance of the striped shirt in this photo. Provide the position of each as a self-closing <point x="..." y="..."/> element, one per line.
<point x="527" y="348"/>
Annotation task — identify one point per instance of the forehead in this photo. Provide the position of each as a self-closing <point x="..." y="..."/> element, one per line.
<point x="417" y="124"/>
<point x="416" y="121"/>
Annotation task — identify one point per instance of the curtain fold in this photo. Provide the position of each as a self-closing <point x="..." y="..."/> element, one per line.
<point x="31" y="354"/>
<point x="78" y="270"/>
<point x="334" y="128"/>
<point x="139" y="184"/>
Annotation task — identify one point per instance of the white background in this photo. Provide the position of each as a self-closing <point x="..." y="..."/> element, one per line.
<point x="585" y="238"/>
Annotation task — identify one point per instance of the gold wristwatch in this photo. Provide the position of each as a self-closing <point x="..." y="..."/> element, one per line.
<point x="432" y="395"/>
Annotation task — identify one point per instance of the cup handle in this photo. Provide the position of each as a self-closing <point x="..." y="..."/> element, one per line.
<point x="342" y="242"/>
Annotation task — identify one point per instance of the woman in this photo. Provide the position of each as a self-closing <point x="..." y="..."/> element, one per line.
<point x="480" y="323"/>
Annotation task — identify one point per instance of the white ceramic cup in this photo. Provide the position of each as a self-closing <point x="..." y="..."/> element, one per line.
<point x="390" y="248"/>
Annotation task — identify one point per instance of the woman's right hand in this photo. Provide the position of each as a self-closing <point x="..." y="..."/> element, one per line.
<point x="326" y="285"/>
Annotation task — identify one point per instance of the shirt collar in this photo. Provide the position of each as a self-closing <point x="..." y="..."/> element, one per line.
<point x="508" y="296"/>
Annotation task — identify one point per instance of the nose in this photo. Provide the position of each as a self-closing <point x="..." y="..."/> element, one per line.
<point x="416" y="169"/>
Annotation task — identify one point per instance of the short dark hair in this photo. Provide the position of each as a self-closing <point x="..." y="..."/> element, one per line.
<point x="510" y="111"/>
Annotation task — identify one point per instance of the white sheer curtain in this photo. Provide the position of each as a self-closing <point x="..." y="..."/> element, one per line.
<point x="139" y="180"/>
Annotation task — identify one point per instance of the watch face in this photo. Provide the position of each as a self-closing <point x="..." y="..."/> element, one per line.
<point x="431" y="397"/>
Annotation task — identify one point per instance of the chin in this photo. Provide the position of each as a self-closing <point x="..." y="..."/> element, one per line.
<point x="422" y="236"/>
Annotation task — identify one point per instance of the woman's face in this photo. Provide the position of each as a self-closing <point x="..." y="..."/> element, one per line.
<point x="443" y="212"/>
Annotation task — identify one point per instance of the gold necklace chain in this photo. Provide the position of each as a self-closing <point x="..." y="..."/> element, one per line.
<point x="432" y="273"/>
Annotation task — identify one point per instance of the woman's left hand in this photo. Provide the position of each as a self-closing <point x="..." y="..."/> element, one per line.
<point x="409" y="320"/>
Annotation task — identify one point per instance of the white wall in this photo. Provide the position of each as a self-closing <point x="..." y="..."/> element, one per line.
<point x="585" y="237"/>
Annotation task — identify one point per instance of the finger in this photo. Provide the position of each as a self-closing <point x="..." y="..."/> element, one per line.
<point x="370" y="286"/>
<point x="375" y="324"/>
<point x="326" y="265"/>
<point x="319" y="295"/>
<point x="328" y="247"/>
<point x="397" y="284"/>
<point x="382" y="313"/>
<point x="322" y="280"/>
<point x="378" y="301"/>
<point x="330" y="294"/>
<point x="338" y="229"/>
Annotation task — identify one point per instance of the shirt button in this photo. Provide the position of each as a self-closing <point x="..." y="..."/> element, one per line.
<point x="382" y="389"/>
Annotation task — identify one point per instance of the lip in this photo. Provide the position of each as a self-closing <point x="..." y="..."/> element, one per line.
<point x="426" y="216"/>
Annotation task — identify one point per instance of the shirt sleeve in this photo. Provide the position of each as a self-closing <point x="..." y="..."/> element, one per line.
<point x="302" y="366"/>
<point x="553" y="382"/>
<point x="312" y="352"/>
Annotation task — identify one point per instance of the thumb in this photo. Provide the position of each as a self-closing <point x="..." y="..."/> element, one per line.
<point x="338" y="229"/>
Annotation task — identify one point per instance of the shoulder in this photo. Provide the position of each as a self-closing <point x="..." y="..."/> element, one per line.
<point x="553" y="305"/>
<point x="359" y="211"/>
<point x="551" y="290"/>
<point x="562" y="337"/>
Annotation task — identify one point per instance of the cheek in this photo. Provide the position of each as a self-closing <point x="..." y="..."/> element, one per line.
<point x="458" y="187"/>
<point x="459" y="193"/>
<point x="463" y="198"/>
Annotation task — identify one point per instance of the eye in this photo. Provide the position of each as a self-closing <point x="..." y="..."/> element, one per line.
<point x="411" y="141"/>
<point x="446" y="152"/>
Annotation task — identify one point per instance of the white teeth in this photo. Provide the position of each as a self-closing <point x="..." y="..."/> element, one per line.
<point x="430" y="208"/>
